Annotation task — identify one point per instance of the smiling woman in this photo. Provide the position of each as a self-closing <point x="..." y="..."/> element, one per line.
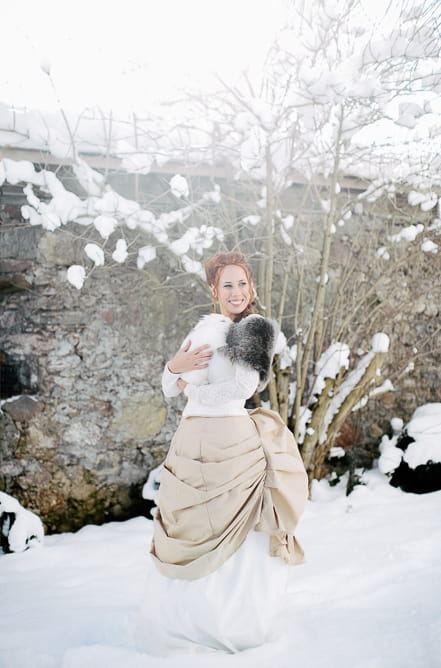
<point x="232" y="488"/>
<point x="128" y="58"/>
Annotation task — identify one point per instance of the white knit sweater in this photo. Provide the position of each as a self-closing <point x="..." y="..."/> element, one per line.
<point x="229" y="386"/>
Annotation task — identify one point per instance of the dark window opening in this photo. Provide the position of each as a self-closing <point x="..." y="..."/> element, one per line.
<point x="15" y="377"/>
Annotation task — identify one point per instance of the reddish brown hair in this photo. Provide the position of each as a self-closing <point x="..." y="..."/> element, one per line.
<point x="214" y="266"/>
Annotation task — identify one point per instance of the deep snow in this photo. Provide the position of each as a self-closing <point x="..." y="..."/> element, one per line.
<point x="367" y="597"/>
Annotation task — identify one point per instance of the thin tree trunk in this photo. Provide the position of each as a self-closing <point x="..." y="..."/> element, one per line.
<point x="371" y="377"/>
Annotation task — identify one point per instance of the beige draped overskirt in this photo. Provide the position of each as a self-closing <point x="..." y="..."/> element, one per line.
<point x="224" y="476"/>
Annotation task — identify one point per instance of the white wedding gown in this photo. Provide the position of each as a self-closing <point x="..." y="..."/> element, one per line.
<point x="232" y="609"/>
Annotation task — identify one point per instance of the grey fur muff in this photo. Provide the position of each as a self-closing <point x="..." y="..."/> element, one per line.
<point x="251" y="342"/>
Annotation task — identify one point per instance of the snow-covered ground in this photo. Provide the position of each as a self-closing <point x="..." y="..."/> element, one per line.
<point x="367" y="597"/>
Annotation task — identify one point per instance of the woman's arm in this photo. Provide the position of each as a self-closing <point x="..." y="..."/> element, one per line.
<point x="169" y="383"/>
<point x="184" y="360"/>
<point x="240" y="387"/>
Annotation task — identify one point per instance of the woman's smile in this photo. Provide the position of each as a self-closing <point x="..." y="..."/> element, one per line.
<point x="233" y="290"/>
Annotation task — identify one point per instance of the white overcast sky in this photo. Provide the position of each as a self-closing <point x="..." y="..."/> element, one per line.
<point x="126" y="54"/>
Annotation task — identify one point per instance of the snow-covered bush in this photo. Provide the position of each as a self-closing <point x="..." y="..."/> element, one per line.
<point x="411" y="457"/>
<point x="20" y="529"/>
<point x="337" y="391"/>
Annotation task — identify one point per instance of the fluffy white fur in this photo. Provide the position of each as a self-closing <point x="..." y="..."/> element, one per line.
<point x="211" y="329"/>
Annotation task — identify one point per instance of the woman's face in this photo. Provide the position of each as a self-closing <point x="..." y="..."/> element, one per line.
<point x="233" y="290"/>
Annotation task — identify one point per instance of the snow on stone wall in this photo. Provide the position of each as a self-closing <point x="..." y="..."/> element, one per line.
<point x="88" y="421"/>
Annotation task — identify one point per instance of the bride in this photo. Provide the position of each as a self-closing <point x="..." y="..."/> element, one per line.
<point x="232" y="489"/>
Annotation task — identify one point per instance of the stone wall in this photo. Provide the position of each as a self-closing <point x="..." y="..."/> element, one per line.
<point x="89" y="420"/>
<point x="84" y="419"/>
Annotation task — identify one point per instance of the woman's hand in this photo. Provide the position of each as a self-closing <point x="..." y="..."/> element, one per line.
<point x="182" y="384"/>
<point x="189" y="360"/>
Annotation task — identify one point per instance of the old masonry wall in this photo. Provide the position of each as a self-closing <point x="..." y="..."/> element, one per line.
<point x="84" y="419"/>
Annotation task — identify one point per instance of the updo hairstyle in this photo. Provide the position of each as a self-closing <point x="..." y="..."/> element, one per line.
<point x="213" y="268"/>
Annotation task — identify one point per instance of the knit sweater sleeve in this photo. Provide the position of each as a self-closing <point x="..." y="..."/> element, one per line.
<point x="169" y="387"/>
<point x="240" y="387"/>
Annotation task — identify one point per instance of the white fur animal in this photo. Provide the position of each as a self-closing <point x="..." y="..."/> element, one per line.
<point x="211" y="329"/>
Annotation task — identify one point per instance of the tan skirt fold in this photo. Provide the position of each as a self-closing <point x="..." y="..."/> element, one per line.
<point x="224" y="476"/>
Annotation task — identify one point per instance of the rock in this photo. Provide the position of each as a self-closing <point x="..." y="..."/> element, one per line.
<point x="375" y="432"/>
<point x="417" y="468"/>
<point x="9" y="437"/>
<point x="141" y="416"/>
<point x="14" y="282"/>
<point x="420" y="480"/>
<point x="14" y="266"/>
<point x="36" y="439"/>
<point x="20" y="243"/>
<point x="82" y="437"/>
<point x="59" y="361"/>
<point x="20" y="529"/>
<point x="108" y="316"/>
<point x="22" y="409"/>
<point x="62" y="248"/>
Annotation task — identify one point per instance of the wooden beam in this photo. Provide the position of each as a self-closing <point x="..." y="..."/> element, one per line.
<point x="45" y="158"/>
<point x="112" y="163"/>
